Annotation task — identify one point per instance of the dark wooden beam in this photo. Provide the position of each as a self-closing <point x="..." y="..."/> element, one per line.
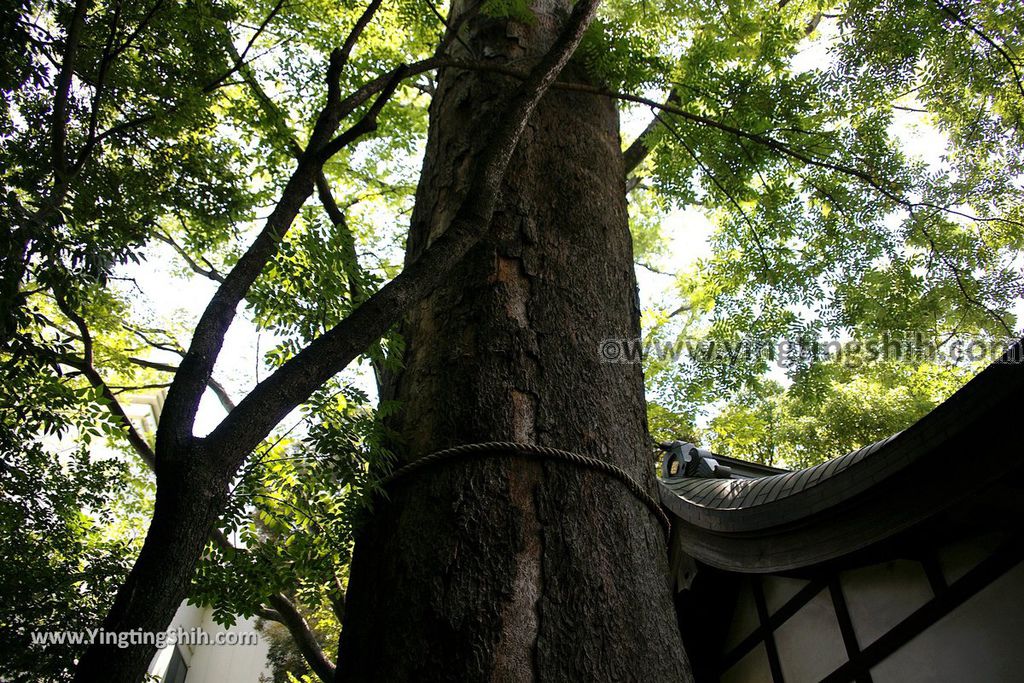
<point x="1006" y="557"/>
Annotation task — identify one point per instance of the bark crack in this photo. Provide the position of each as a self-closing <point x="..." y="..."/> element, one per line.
<point x="517" y="647"/>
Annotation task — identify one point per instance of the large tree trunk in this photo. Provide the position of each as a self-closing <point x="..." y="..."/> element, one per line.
<point x="506" y="568"/>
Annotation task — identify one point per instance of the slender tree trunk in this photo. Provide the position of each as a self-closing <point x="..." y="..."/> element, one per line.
<point x="183" y="518"/>
<point x="509" y="569"/>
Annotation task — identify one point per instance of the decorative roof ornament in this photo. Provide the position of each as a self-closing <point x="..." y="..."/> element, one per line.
<point x="684" y="459"/>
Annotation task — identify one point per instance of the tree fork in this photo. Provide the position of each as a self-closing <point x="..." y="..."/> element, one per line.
<point x="193" y="474"/>
<point x="503" y="568"/>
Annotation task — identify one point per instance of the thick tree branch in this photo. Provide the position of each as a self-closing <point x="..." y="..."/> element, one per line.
<point x="285" y="610"/>
<point x="268" y="614"/>
<point x="183" y="399"/>
<point x="764" y="140"/>
<point x="353" y="273"/>
<point x="303" y="636"/>
<point x="293" y="382"/>
<point x="639" y="149"/>
<point x="366" y="124"/>
<point x="197" y="365"/>
<point x="288" y="614"/>
<point x="79" y="322"/>
<point x="357" y="30"/>
<point x="218" y="389"/>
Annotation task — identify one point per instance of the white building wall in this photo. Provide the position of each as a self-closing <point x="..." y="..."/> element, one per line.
<point x="215" y="663"/>
<point x="981" y="640"/>
<point x="809" y="643"/>
<point x="883" y="595"/>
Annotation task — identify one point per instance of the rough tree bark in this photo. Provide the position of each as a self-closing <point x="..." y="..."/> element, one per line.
<point x="188" y="502"/>
<point x="192" y="473"/>
<point x="508" y="569"/>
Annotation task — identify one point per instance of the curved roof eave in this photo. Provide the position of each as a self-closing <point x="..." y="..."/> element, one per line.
<point x="808" y="516"/>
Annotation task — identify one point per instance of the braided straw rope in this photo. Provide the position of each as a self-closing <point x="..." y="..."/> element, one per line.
<point x="512" y="448"/>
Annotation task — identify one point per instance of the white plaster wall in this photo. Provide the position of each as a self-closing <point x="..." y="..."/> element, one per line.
<point x="753" y="668"/>
<point x="956" y="559"/>
<point x="883" y="595"/>
<point x="187" y="617"/>
<point x="809" y="643"/>
<point x="982" y="640"/>
<point x="778" y="590"/>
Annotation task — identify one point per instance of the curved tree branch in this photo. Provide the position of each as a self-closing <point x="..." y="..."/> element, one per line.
<point x="62" y="89"/>
<point x="209" y="272"/>
<point x="294" y="381"/>
<point x="353" y="273"/>
<point x="969" y="25"/>
<point x="640" y="149"/>
<point x="216" y="387"/>
<point x="283" y="611"/>
<point x="771" y="143"/>
<point x="208" y="338"/>
<point x="303" y="636"/>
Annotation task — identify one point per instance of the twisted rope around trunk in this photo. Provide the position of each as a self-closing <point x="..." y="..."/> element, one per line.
<point x="512" y="448"/>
